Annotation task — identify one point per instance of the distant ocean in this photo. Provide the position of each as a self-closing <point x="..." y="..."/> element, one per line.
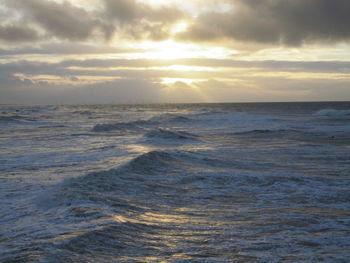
<point x="254" y="182"/>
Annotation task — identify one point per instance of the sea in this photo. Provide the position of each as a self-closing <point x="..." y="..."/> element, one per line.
<point x="248" y="182"/>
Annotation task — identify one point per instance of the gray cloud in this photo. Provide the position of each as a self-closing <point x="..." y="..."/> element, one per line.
<point x="126" y="18"/>
<point x="18" y="33"/>
<point x="290" y="66"/>
<point x="141" y="21"/>
<point x="65" y="48"/>
<point x="288" y="22"/>
<point x="116" y="91"/>
<point x="60" y="20"/>
<point x="125" y="11"/>
<point x="141" y="85"/>
<point x="103" y="67"/>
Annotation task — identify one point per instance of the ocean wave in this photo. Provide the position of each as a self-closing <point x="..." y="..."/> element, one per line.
<point x="271" y="132"/>
<point x="262" y="131"/>
<point x="11" y="118"/>
<point x="143" y="174"/>
<point x="333" y="114"/>
<point x="234" y="119"/>
<point x="314" y="136"/>
<point x="139" y="124"/>
<point x="121" y="126"/>
<point x="169" y="117"/>
<point x="97" y="186"/>
<point x="153" y="161"/>
<point x="125" y="238"/>
<point x="166" y="134"/>
<point x="84" y="112"/>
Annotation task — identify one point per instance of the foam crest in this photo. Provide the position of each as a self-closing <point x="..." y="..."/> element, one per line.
<point x="333" y="114"/>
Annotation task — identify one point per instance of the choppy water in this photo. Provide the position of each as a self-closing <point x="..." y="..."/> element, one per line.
<point x="175" y="183"/>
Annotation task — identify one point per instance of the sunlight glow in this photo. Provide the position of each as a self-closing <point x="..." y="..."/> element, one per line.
<point x="179" y="27"/>
<point x="187" y="81"/>
<point x="184" y="68"/>
<point x="170" y="49"/>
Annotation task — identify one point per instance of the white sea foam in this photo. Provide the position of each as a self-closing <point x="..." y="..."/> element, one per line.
<point x="333" y="114"/>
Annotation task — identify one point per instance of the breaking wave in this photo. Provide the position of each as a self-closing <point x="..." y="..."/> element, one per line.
<point x="139" y="124"/>
<point x="333" y="114"/>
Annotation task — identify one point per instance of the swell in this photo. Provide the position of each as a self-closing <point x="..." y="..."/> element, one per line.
<point x="139" y="124"/>
<point x="169" y="117"/>
<point x="121" y="126"/>
<point x="315" y="136"/>
<point x="268" y="132"/>
<point x="166" y="134"/>
<point x="12" y="118"/>
<point x="111" y="185"/>
<point x="332" y="114"/>
<point x="140" y="179"/>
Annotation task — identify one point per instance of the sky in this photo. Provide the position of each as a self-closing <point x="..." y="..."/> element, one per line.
<point x="173" y="51"/>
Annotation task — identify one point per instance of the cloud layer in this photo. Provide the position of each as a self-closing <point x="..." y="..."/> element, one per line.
<point x="105" y="51"/>
<point x="65" y="21"/>
<point x="288" y="22"/>
<point x="137" y="81"/>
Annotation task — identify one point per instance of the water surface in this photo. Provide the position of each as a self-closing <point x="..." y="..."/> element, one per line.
<point x="264" y="182"/>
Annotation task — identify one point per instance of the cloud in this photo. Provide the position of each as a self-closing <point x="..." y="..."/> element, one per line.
<point x="65" y="48"/>
<point x="271" y="65"/>
<point x="288" y="22"/>
<point x="155" y="70"/>
<point x="127" y="19"/>
<point x="125" y="11"/>
<point x="117" y="91"/>
<point x="18" y="33"/>
<point x="63" y="20"/>
<point x="101" y="81"/>
<point x="140" y="21"/>
<point x="263" y="90"/>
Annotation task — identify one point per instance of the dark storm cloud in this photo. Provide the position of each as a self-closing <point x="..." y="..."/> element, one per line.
<point x="18" y="33"/>
<point x="126" y="18"/>
<point x="289" y="22"/>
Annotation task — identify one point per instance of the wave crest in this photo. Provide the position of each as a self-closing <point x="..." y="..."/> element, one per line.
<point x="333" y="114"/>
<point x="11" y="118"/>
<point x="169" y="117"/>
<point x="121" y="126"/>
<point x="172" y="135"/>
